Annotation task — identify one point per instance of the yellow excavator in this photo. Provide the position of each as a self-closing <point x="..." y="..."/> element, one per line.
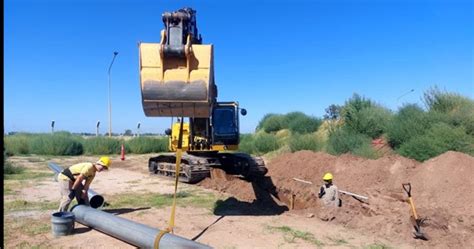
<point x="177" y="80"/>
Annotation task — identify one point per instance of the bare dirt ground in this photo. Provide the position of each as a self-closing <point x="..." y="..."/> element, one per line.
<point x="441" y="189"/>
<point x="248" y="218"/>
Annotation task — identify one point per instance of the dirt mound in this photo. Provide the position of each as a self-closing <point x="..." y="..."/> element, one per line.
<point x="441" y="188"/>
<point x="446" y="182"/>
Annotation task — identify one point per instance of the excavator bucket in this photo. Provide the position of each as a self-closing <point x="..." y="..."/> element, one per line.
<point x="177" y="85"/>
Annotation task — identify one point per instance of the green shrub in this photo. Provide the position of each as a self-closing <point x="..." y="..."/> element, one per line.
<point x="141" y="145"/>
<point x="352" y="107"/>
<point x="443" y="101"/>
<point x="299" y="142"/>
<point x="365" y="117"/>
<point x="453" y="108"/>
<point x="265" y="143"/>
<point x="438" y="139"/>
<point x="271" y="123"/>
<point x="102" y="146"/>
<point x="16" y="144"/>
<point x="57" y="144"/>
<point x="468" y="121"/>
<point x="365" y="150"/>
<point x="345" y="140"/>
<point x="247" y="144"/>
<point x="410" y="121"/>
<point x="374" y="120"/>
<point x="8" y="167"/>
<point x="299" y="122"/>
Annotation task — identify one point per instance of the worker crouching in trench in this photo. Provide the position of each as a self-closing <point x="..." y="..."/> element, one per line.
<point x="329" y="196"/>
<point x="71" y="182"/>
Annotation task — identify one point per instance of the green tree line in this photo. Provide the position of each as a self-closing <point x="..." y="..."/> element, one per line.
<point x="446" y="122"/>
<point x="64" y="143"/>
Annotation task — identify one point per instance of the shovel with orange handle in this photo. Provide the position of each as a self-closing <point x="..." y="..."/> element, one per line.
<point x="418" y="221"/>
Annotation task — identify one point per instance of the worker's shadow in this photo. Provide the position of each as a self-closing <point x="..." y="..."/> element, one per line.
<point x="118" y="211"/>
<point x="264" y="204"/>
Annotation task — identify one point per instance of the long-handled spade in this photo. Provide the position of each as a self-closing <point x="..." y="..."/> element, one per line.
<point x="418" y="221"/>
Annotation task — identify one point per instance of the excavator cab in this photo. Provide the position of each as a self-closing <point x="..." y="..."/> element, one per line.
<point x="219" y="133"/>
<point x="225" y="126"/>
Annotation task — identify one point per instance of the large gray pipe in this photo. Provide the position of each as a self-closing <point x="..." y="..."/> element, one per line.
<point x="95" y="200"/>
<point x="137" y="234"/>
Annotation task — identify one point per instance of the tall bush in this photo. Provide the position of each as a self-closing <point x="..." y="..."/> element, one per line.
<point x="299" y="142"/>
<point x="141" y="145"/>
<point x="102" y="146"/>
<point x="247" y="144"/>
<point x="344" y="140"/>
<point x="453" y="108"/>
<point x="351" y="109"/>
<point x="299" y="122"/>
<point x="271" y="123"/>
<point x="438" y="139"/>
<point x="365" y="117"/>
<point x="374" y="121"/>
<point x="265" y="142"/>
<point x="16" y="144"/>
<point x="58" y="144"/>
<point x="443" y="101"/>
<point x="410" y="121"/>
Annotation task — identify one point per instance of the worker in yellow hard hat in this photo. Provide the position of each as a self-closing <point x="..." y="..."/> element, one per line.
<point x="329" y="193"/>
<point x="74" y="181"/>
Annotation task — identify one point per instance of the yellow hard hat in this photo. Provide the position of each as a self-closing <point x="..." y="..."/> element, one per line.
<point x="104" y="161"/>
<point x="327" y="177"/>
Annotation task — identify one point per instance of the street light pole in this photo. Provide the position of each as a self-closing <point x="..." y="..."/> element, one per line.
<point x="138" y="129"/>
<point x="97" y="128"/>
<point x="412" y="90"/>
<point x="110" y="105"/>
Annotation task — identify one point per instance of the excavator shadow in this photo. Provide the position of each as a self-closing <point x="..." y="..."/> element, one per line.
<point x="264" y="204"/>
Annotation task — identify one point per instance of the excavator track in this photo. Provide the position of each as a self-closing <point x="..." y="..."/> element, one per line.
<point x="197" y="166"/>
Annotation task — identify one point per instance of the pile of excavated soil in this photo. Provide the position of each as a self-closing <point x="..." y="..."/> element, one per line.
<point x="442" y="190"/>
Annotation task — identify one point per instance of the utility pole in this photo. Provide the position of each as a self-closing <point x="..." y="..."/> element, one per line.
<point x="97" y="128"/>
<point x="110" y="105"/>
<point x="138" y="129"/>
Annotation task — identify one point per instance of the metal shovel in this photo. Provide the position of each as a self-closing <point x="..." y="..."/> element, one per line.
<point x="418" y="221"/>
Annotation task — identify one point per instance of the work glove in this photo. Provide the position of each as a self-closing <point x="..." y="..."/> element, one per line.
<point x="71" y="194"/>
<point x="321" y="192"/>
<point x="82" y="201"/>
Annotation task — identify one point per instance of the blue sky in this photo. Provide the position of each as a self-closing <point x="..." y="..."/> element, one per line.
<point x="270" y="56"/>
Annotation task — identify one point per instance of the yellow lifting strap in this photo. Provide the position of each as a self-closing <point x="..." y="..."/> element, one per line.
<point x="178" y="165"/>
<point x="179" y="152"/>
<point x="156" y="244"/>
